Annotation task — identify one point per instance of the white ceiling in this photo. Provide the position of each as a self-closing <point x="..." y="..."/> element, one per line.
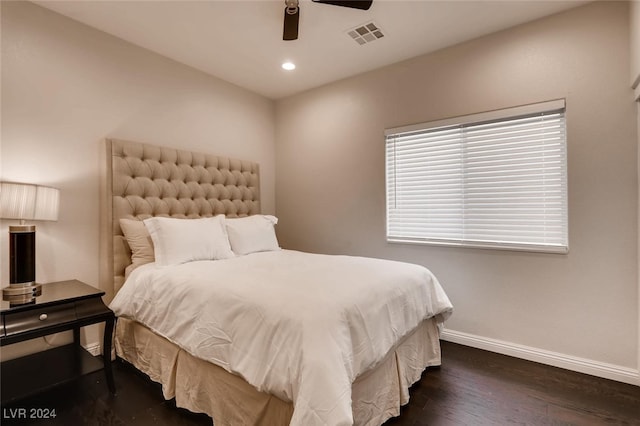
<point x="241" y="42"/>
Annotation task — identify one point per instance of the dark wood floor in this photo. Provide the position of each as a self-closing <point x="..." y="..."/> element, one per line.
<point x="473" y="387"/>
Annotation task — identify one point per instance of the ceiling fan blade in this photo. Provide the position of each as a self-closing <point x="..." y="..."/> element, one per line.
<point x="291" y="19"/>
<point x="355" y="4"/>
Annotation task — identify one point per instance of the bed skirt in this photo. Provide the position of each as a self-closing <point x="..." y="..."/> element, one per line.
<point x="203" y="387"/>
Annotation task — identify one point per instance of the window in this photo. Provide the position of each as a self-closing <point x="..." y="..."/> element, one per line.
<point x="494" y="180"/>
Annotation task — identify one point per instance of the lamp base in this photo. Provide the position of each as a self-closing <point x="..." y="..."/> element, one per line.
<point x="21" y="293"/>
<point x="22" y="254"/>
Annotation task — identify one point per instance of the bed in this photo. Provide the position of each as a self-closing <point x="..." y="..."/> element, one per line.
<point x="266" y="337"/>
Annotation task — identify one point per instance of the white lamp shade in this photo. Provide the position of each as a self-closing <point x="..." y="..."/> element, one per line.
<point x="28" y="202"/>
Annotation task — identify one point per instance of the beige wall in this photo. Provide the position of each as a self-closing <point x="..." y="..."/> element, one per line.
<point x="634" y="16"/>
<point x="635" y="45"/>
<point x="638" y="144"/>
<point x="330" y="180"/>
<point x="66" y="87"/>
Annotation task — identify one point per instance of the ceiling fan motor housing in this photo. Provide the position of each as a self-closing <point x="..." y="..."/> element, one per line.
<point x="291" y="19"/>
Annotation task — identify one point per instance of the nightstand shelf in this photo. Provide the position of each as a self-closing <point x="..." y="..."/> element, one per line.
<point x="46" y="369"/>
<point x="64" y="305"/>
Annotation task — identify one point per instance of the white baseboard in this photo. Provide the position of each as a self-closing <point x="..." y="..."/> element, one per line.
<point x="94" y="349"/>
<point x="581" y="365"/>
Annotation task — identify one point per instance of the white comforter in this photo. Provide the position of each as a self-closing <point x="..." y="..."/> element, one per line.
<point x="297" y="325"/>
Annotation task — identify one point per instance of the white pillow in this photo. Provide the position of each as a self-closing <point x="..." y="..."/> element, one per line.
<point x="252" y="234"/>
<point x="178" y="241"/>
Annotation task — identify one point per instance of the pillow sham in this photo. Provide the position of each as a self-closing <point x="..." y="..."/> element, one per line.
<point x="252" y="234"/>
<point x="178" y="241"/>
<point x="139" y="240"/>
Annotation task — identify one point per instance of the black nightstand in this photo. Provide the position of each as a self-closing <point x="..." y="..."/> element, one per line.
<point x="63" y="305"/>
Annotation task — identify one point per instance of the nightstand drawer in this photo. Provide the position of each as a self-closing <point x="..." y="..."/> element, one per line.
<point x="38" y="318"/>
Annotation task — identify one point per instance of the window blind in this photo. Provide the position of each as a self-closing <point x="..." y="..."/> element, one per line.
<point x="495" y="180"/>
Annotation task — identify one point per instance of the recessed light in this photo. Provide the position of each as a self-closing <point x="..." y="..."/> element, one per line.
<point x="289" y="66"/>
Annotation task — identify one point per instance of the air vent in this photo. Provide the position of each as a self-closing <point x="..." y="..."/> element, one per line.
<point x="365" y="33"/>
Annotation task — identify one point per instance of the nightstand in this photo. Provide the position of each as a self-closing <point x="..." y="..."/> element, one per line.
<point x="62" y="306"/>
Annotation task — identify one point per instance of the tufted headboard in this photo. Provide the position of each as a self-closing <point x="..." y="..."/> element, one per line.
<point x="146" y="180"/>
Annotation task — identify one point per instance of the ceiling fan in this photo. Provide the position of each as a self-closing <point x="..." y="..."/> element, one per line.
<point x="292" y="13"/>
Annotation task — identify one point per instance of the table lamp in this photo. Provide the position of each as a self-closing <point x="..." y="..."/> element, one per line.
<point x="25" y="202"/>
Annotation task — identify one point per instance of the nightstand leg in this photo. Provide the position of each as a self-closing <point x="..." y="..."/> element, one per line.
<point x="76" y="336"/>
<point x="106" y="354"/>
